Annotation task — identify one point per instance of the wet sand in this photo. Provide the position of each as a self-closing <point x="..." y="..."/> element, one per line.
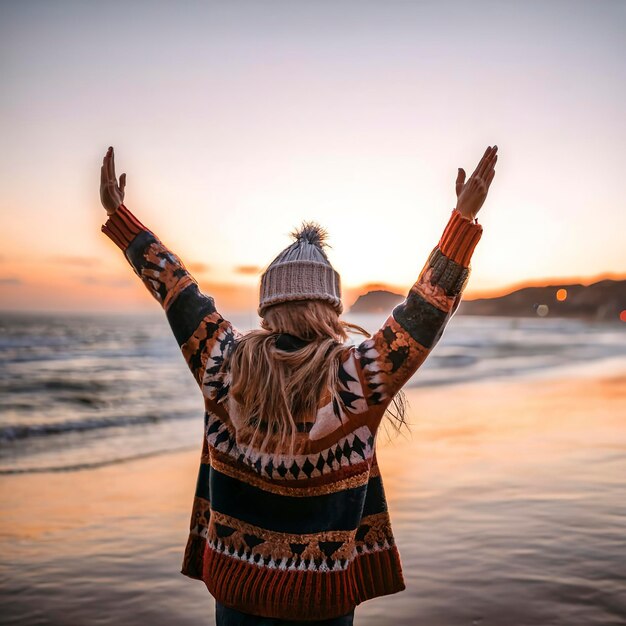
<point x="508" y="502"/>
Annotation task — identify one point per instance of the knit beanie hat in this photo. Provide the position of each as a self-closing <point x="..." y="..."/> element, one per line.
<point x="302" y="271"/>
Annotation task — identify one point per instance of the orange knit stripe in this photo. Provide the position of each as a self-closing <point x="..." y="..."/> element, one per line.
<point x="172" y="293"/>
<point x="116" y="240"/>
<point x="284" y="592"/>
<point x="122" y="227"/>
<point x="119" y="225"/>
<point x="113" y="226"/>
<point x="272" y="592"/>
<point x="459" y="238"/>
<point x="127" y="216"/>
<point x="302" y="594"/>
<point x="378" y="573"/>
<point x="133" y="225"/>
<point x="194" y="555"/>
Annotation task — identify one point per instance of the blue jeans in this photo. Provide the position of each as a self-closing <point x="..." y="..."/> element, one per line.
<point x="225" y="616"/>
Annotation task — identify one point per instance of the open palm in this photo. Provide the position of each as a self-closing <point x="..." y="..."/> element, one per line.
<point x="111" y="194"/>
<point x="472" y="194"/>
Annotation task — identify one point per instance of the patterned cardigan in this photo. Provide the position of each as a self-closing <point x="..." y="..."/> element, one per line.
<point x="306" y="537"/>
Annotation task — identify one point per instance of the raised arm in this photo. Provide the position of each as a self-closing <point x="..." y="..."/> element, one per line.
<point x="392" y="355"/>
<point x="203" y="335"/>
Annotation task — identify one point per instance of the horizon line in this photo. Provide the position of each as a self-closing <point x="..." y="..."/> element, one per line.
<point x="366" y="288"/>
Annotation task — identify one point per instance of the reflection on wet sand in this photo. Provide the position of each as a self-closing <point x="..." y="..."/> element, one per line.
<point x="508" y="501"/>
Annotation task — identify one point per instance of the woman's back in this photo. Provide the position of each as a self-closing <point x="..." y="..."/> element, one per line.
<point x="300" y="536"/>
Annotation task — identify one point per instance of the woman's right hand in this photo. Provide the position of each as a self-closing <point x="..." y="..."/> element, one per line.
<point x="471" y="195"/>
<point x="111" y="194"/>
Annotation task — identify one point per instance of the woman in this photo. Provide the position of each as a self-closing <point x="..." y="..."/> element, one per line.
<point x="289" y="520"/>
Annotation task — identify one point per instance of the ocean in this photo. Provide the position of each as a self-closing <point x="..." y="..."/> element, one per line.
<point x="80" y="390"/>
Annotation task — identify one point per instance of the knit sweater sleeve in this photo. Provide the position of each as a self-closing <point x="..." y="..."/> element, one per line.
<point x="394" y="353"/>
<point x="202" y="333"/>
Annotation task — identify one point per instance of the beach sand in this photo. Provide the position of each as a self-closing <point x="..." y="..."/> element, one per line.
<point x="507" y="501"/>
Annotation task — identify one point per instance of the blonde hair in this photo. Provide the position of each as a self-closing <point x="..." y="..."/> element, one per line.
<point x="275" y="389"/>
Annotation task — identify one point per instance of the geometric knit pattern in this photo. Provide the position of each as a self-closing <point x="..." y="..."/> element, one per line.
<point x="304" y="536"/>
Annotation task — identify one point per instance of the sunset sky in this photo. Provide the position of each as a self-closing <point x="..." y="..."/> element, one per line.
<point x="235" y="121"/>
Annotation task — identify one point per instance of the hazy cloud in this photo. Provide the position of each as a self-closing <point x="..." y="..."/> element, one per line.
<point x="198" y="268"/>
<point x="248" y="269"/>
<point x="104" y="281"/>
<point x="10" y="280"/>
<point x="75" y="260"/>
<point x="376" y="286"/>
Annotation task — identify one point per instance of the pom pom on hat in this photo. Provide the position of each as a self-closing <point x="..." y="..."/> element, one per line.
<point x="312" y="233"/>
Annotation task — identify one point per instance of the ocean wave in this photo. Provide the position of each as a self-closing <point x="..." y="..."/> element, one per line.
<point x="11" y="432"/>
<point x="92" y="464"/>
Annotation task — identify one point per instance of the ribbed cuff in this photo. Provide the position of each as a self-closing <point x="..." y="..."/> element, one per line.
<point x="122" y="227"/>
<point x="460" y="238"/>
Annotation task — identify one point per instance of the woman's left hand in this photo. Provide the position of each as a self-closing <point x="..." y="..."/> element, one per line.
<point x="111" y="194"/>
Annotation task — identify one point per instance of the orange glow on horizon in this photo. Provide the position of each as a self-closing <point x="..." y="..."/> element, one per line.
<point x="68" y="285"/>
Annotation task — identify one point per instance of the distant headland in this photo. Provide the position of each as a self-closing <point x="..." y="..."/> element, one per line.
<point x="604" y="300"/>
